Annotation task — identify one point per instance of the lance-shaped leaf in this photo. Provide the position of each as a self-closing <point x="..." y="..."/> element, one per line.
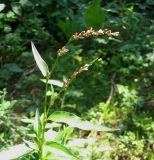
<point x="75" y="121"/>
<point x="53" y="82"/>
<point x="37" y="125"/>
<point x="58" y="149"/>
<point x="15" y="152"/>
<point x="39" y="61"/>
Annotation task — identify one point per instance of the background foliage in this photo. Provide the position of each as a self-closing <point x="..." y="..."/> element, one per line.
<point x="126" y="66"/>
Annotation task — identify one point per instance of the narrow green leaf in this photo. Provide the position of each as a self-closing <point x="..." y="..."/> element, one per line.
<point x="75" y="121"/>
<point x="39" y="61"/>
<point x="59" y="149"/>
<point x="68" y="132"/>
<point x="15" y="152"/>
<point x="60" y="137"/>
<point x="37" y="124"/>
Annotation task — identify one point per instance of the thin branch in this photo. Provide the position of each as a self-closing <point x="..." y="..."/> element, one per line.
<point x="112" y="90"/>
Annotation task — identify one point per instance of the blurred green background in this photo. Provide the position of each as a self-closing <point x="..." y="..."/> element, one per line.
<point x="125" y="72"/>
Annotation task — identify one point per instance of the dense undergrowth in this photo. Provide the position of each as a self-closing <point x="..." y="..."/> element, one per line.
<point x="117" y="91"/>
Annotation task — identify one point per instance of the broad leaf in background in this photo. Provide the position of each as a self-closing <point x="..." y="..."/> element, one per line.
<point x="39" y="61"/>
<point x="13" y="67"/>
<point x="59" y="150"/>
<point x="16" y="8"/>
<point x="71" y="26"/>
<point x="94" y="15"/>
<point x="75" y="121"/>
<point x="150" y="2"/>
<point x="15" y="152"/>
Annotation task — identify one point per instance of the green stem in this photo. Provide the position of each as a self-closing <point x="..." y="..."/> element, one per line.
<point x="54" y="65"/>
<point x="90" y="64"/>
<point x="63" y="100"/>
<point x="51" y="103"/>
<point x="44" y="119"/>
<point x="45" y="98"/>
<point x="57" y="58"/>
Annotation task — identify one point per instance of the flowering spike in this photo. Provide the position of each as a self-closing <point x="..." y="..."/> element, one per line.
<point x="62" y="51"/>
<point x="93" y="33"/>
<point x="75" y="74"/>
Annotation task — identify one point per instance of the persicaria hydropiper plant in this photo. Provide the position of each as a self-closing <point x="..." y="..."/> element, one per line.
<point x="55" y="147"/>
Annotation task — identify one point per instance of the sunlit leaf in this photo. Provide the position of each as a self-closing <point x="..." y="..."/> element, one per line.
<point x="60" y="137"/>
<point x="68" y="132"/>
<point x="50" y="135"/>
<point x="2" y="6"/>
<point x="52" y="125"/>
<point x="39" y="61"/>
<point x="59" y="149"/>
<point x="53" y="82"/>
<point x="48" y="93"/>
<point x="75" y="121"/>
<point x="27" y="120"/>
<point x="15" y="152"/>
<point x="81" y="142"/>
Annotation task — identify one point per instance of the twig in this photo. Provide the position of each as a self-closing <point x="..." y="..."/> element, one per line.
<point x="112" y="90"/>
